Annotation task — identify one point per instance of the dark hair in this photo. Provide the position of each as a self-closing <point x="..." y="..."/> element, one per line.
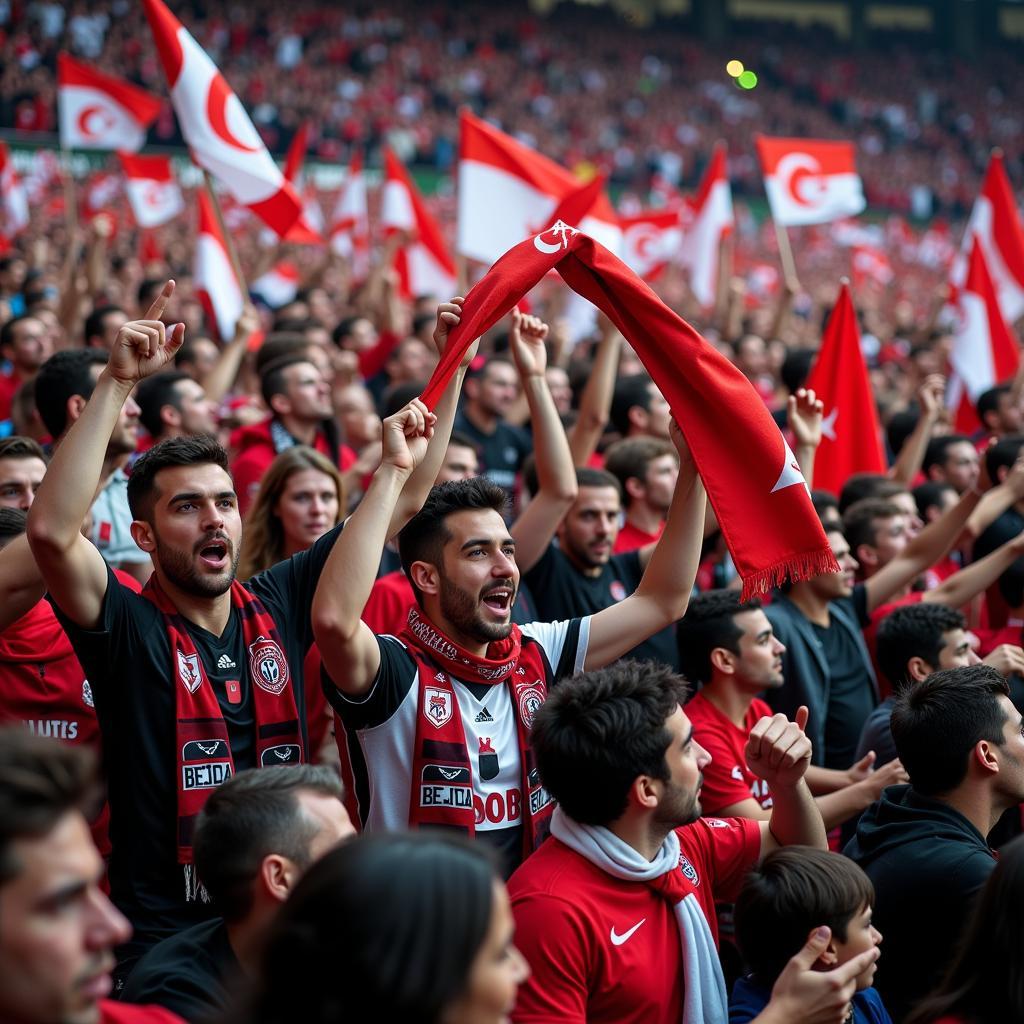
<point x="913" y="631"/>
<point x="867" y="485"/>
<point x="94" y="321"/>
<point x="929" y="495"/>
<point x="7" y="330"/>
<point x="988" y="401"/>
<point x="599" y="730"/>
<point x="938" y="449"/>
<point x="591" y="476"/>
<point x="788" y="895"/>
<point x="252" y="815"/>
<point x="462" y="440"/>
<point x="937" y="723"/>
<point x="900" y="426"/>
<point x="153" y="394"/>
<point x="18" y="447"/>
<point x="344" y="327"/>
<point x="823" y="501"/>
<point x="272" y="376"/>
<point x="172" y="451"/>
<point x="383" y="928"/>
<point x="985" y="982"/>
<point x="631" y="457"/>
<point x="860" y="517"/>
<point x="277" y="346"/>
<point x="65" y="374"/>
<point x="423" y="538"/>
<point x="795" y="368"/>
<point x="1002" y="455"/>
<point x="710" y="622"/>
<point x="398" y="396"/>
<point x="149" y="288"/>
<point x="187" y="353"/>
<point x="12" y="523"/>
<point x="629" y="392"/>
<point x="41" y="780"/>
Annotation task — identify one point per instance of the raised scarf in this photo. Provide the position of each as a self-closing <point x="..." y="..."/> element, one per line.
<point x="202" y="742"/>
<point x="442" y="775"/>
<point x="704" y="996"/>
<point x="752" y="479"/>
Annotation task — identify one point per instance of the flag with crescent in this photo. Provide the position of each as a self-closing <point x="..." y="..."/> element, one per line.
<point x="753" y="481"/>
<point x="216" y="127"/>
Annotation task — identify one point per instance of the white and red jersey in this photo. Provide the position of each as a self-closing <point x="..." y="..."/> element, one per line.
<point x="607" y="951"/>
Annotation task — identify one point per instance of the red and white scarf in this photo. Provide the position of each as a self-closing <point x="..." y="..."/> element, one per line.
<point x="752" y="479"/>
<point x="441" y="760"/>
<point x="202" y="743"/>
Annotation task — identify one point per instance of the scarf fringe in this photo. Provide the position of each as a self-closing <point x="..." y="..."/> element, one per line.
<point x="795" y="568"/>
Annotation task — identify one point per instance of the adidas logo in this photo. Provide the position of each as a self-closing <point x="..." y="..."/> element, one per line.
<point x="484" y="716"/>
<point x="226" y="662"/>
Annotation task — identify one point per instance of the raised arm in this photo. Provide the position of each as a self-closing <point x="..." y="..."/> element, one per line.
<point x="219" y="381"/>
<point x="930" y="398"/>
<point x="556" y="475"/>
<point x="804" y="413"/>
<point x="347" y="645"/>
<point x="21" y="585"/>
<point x="957" y="590"/>
<point x="664" y="591"/>
<point x="596" y="399"/>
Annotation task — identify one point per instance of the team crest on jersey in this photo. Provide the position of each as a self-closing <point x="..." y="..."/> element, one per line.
<point x="267" y="665"/>
<point x="530" y="700"/>
<point x="618" y="590"/>
<point x="716" y="823"/>
<point x="87" y="694"/>
<point x="190" y="672"/>
<point x="689" y="871"/>
<point x="437" y="706"/>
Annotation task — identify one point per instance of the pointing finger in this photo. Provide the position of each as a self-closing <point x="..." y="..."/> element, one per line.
<point x="156" y="311"/>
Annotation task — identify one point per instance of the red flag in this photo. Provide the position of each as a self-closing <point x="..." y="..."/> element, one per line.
<point x="508" y="190"/>
<point x="152" y="189"/>
<point x="308" y="228"/>
<point x="650" y="241"/>
<point x="98" y="111"/>
<point x="13" y="198"/>
<point x="711" y="220"/>
<point x="216" y="127"/>
<point x="752" y="479"/>
<point x="810" y="181"/>
<point x="423" y="264"/>
<point x="350" y="222"/>
<point x="851" y="436"/>
<point x="996" y="224"/>
<point x="870" y="265"/>
<point x="214" y="277"/>
<point x="984" y="351"/>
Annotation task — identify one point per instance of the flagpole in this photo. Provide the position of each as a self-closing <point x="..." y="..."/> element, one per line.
<point x="786" y="254"/>
<point x="229" y="242"/>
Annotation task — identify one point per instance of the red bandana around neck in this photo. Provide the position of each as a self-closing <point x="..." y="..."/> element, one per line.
<point x="753" y="482"/>
<point x="203" y="746"/>
<point x="442" y="775"/>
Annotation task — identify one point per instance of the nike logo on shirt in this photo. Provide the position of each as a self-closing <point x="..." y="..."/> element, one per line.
<point x="618" y="940"/>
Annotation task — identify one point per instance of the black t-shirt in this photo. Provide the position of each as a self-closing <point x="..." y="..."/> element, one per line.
<point x="188" y="973"/>
<point x="501" y="452"/>
<point x="560" y="590"/>
<point x="127" y="660"/>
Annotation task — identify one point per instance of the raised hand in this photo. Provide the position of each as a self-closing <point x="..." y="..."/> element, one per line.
<point x="526" y="341"/>
<point x="931" y="395"/>
<point x="405" y="436"/>
<point x="862" y="769"/>
<point x="804" y="411"/>
<point x="778" y="750"/>
<point x="891" y="774"/>
<point x="449" y="315"/>
<point x="142" y="347"/>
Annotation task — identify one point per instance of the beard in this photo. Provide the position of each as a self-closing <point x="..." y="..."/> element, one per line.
<point x="678" y="807"/>
<point x="462" y="611"/>
<point x="180" y="568"/>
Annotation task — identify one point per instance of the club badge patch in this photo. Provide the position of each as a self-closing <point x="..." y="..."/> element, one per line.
<point x="689" y="871"/>
<point x="267" y="666"/>
<point x="190" y="672"/>
<point x="437" y="706"/>
<point x="530" y="699"/>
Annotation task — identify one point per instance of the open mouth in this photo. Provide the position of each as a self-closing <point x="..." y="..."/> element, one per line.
<point x="499" y="600"/>
<point x="214" y="554"/>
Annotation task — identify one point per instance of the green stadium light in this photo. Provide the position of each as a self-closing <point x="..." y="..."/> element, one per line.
<point x="747" y="80"/>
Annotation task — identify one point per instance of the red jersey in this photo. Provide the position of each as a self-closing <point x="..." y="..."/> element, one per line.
<point x="387" y="610"/>
<point x="630" y="538"/>
<point x="727" y="779"/>
<point x="127" y="1013"/>
<point x="9" y="384"/>
<point x="605" y="950"/>
<point x="990" y="639"/>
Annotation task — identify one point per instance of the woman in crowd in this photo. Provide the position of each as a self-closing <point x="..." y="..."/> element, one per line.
<point x="391" y="927"/>
<point x="985" y="982"/>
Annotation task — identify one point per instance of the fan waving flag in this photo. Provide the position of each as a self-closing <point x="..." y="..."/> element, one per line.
<point x="810" y="181"/>
<point x="752" y="478"/>
<point x="996" y="224"/>
<point x="214" y="278"/>
<point x="984" y="351"/>
<point x="424" y="264"/>
<point x="851" y="439"/>
<point x="710" y="220"/>
<point x="98" y="111"/>
<point x="508" y="190"/>
<point x="350" y="222"/>
<point x="13" y="197"/>
<point x="216" y="127"/>
<point x="152" y="189"/>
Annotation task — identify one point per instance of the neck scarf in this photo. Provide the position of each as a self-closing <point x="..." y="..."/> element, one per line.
<point x="704" y="998"/>
<point x="753" y="481"/>
<point x="203" y="745"/>
<point x="442" y="776"/>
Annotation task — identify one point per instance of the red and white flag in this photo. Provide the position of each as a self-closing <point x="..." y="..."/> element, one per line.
<point x="996" y="224"/>
<point x="710" y="221"/>
<point x="98" y="111"/>
<point x="984" y="351"/>
<point x="213" y="276"/>
<point x="13" y="197"/>
<point x="424" y="265"/>
<point x="216" y="127"/>
<point x="152" y="189"/>
<point x="810" y="181"/>
<point x="650" y="241"/>
<point x="870" y="266"/>
<point x="350" y="222"/>
<point x="508" y="191"/>
<point x="278" y="286"/>
<point x="851" y="436"/>
<point x="308" y="229"/>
